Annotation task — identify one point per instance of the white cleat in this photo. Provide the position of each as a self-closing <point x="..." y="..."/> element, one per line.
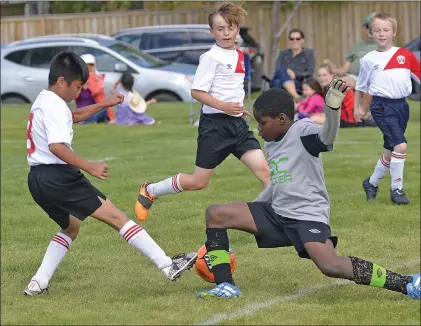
<point x="180" y="263"/>
<point x="33" y="288"/>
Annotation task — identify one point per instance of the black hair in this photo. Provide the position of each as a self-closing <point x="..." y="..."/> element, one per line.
<point x="296" y="30"/>
<point x="127" y="81"/>
<point x="68" y="65"/>
<point x="273" y="102"/>
<point x="314" y="85"/>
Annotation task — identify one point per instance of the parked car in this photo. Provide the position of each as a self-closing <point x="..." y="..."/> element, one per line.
<point x="25" y="66"/>
<point x="415" y="47"/>
<point x="186" y="43"/>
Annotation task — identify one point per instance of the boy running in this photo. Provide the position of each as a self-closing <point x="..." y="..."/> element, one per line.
<point x="294" y="210"/>
<point x="219" y="85"/>
<point x="385" y="81"/>
<point x="58" y="186"/>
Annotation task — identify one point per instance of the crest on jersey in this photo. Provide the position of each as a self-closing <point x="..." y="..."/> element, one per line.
<point x="243" y="66"/>
<point x="401" y="59"/>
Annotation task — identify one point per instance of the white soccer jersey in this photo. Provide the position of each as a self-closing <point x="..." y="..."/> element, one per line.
<point x="388" y="74"/>
<point x="221" y="74"/>
<point x="50" y="121"/>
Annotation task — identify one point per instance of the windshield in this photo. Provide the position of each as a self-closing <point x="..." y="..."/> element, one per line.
<point x="139" y="58"/>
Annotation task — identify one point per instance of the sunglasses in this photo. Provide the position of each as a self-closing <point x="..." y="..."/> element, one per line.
<point x="295" y="38"/>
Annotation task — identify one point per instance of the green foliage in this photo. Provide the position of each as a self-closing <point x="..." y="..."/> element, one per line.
<point x="63" y="7"/>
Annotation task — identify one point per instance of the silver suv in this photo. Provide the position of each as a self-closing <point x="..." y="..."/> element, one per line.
<point x="25" y="67"/>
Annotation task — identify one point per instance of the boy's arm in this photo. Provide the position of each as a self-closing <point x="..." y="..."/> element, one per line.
<point x="87" y="111"/>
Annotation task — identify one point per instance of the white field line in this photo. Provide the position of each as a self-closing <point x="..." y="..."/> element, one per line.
<point x="255" y="307"/>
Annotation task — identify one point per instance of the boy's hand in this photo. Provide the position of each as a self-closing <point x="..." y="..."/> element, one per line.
<point x="98" y="170"/>
<point x="360" y="114"/>
<point x="336" y="93"/>
<point x="233" y="108"/>
<point x="114" y="99"/>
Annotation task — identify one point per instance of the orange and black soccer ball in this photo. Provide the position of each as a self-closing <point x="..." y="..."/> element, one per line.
<point x="203" y="266"/>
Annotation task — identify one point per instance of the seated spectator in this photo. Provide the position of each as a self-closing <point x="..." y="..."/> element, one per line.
<point x="325" y="75"/>
<point x="294" y="65"/>
<point x="314" y="99"/>
<point x="348" y="72"/>
<point x="96" y="84"/>
<point x="85" y="98"/>
<point x="132" y="110"/>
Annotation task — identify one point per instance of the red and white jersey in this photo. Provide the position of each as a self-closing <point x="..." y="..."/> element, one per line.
<point x="388" y="74"/>
<point x="50" y="121"/>
<point x="221" y="74"/>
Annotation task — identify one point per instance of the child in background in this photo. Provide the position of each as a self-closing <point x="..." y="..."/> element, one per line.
<point x="132" y="110"/>
<point x="314" y="101"/>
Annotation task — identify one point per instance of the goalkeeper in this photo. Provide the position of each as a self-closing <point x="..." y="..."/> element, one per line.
<point x="294" y="210"/>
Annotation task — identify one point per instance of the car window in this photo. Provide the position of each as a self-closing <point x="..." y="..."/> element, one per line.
<point x="164" y="40"/>
<point x="202" y="37"/>
<point x="133" y="40"/>
<point x="192" y="56"/>
<point x="136" y="56"/>
<point x="41" y="57"/>
<point x="17" y="56"/>
<point x="104" y="61"/>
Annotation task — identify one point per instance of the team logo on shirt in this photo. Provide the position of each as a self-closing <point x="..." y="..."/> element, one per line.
<point x="229" y="66"/>
<point x="401" y="59"/>
<point x="278" y="173"/>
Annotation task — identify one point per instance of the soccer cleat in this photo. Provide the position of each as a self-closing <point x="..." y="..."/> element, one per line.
<point x="180" y="263"/>
<point x="399" y="197"/>
<point x="143" y="203"/>
<point x="224" y="290"/>
<point x="413" y="288"/>
<point x="33" y="289"/>
<point x="370" y="190"/>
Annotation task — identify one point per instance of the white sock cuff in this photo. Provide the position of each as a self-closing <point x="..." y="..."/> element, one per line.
<point x="384" y="162"/>
<point x="176" y="183"/>
<point x="129" y="230"/>
<point x="63" y="240"/>
<point x="397" y="157"/>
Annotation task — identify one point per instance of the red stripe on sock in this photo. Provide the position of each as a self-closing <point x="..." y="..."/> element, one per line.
<point x="386" y="164"/>
<point x="131" y="232"/>
<point x="61" y="241"/>
<point x="174" y="183"/>
<point x="398" y="155"/>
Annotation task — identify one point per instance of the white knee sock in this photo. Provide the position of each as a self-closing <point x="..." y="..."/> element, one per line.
<point x="396" y="170"/>
<point x="168" y="186"/>
<point x="55" y="253"/>
<point x="139" y="239"/>
<point x="381" y="169"/>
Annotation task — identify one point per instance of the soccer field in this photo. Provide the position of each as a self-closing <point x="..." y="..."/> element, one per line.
<point x="102" y="280"/>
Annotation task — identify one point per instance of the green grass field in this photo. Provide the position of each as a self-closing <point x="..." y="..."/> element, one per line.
<point x="104" y="281"/>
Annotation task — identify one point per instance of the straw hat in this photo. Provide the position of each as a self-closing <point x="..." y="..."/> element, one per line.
<point x="136" y="102"/>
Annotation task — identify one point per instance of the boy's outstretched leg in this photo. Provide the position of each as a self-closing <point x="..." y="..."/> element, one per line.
<point x="55" y="253"/>
<point x="138" y="238"/>
<point x="149" y="192"/>
<point x="361" y="271"/>
<point x="397" y="163"/>
<point x="371" y="184"/>
<point x="219" y="218"/>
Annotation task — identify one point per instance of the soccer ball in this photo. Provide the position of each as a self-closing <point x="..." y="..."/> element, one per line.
<point x="203" y="266"/>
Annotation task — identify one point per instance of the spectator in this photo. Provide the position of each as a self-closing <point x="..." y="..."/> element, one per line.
<point x="132" y="110"/>
<point x="85" y="98"/>
<point x="348" y="72"/>
<point x="294" y="65"/>
<point x="96" y="84"/>
<point x="325" y="75"/>
<point x="314" y="99"/>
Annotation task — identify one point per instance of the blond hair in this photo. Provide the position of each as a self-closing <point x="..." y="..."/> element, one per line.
<point x="383" y="16"/>
<point x="232" y="13"/>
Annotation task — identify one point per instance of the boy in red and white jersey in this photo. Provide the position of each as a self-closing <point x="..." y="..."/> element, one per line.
<point x="385" y="81"/>
<point x="219" y="85"/>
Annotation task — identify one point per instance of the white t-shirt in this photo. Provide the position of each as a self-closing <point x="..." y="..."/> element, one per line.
<point x="50" y="121"/>
<point x="221" y="74"/>
<point x="388" y="74"/>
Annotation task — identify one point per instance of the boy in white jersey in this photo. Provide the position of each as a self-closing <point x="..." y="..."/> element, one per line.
<point x="385" y="81"/>
<point x="58" y="186"/>
<point x="219" y="85"/>
<point x="294" y="210"/>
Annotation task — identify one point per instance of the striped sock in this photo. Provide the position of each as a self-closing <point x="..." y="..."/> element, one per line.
<point x="168" y="186"/>
<point x="396" y="170"/>
<point x="55" y="253"/>
<point x="139" y="239"/>
<point x="381" y="169"/>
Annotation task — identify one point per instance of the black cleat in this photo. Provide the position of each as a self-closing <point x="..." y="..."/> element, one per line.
<point x="370" y="190"/>
<point x="398" y="196"/>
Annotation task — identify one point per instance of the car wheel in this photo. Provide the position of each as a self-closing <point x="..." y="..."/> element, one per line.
<point x="166" y="97"/>
<point x="14" y="99"/>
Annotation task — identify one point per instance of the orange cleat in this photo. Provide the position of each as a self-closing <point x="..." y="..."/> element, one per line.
<point x="143" y="203"/>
